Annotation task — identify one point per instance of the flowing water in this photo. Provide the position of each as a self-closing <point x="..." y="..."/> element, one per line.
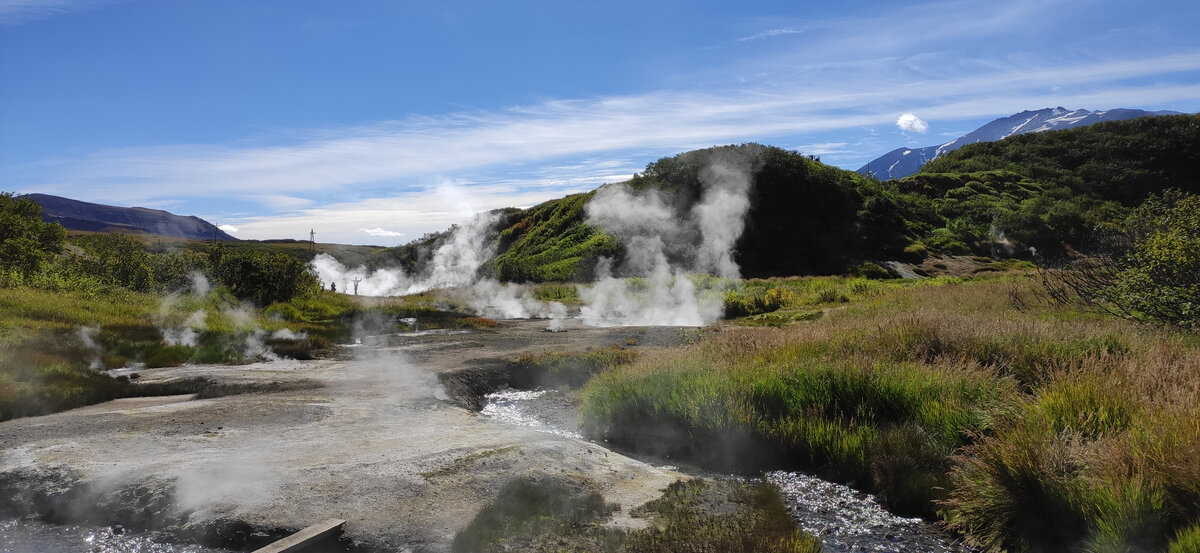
<point x="845" y="519"/>
<point x="849" y="520"/>
<point x="21" y="536"/>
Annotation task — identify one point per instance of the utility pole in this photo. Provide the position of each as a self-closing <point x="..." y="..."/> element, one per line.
<point x="312" y="240"/>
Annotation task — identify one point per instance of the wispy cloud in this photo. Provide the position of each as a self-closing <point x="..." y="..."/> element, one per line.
<point x="770" y="34"/>
<point x="382" y="232"/>
<point x="19" y="12"/>
<point x="406" y="214"/>
<point x="836" y="75"/>
<point x="228" y="228"/>
<point x="321" y="166"/>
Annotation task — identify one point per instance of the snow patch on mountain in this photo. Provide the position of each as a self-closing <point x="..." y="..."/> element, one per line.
<point x="902" y="162"/>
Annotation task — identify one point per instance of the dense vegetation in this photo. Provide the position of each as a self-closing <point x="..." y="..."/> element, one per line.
<point x="1148" y="269"/>
<point x="550" y="242"/>
<point x="1121" y="161"/>
<point x="1049" y="190"/>
<point x="967" y="401"/>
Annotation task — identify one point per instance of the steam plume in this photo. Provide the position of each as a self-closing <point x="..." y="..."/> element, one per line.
<point x="665" y="245"/>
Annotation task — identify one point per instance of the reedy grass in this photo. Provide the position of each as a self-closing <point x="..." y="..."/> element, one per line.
<point x="554" y="369"/>
<point x="945" y="399"/>
<point x="1186" y="540"/>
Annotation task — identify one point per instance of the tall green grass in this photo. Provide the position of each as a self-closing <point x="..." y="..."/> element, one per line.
<point x="952" y="401"/>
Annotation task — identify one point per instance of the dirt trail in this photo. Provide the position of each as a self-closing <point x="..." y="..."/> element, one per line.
<point x="376" y="444"/>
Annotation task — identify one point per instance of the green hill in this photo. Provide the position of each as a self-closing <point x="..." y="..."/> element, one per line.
<point x="1122" y="161"/>
<point x="1041" y="193"/>
<point x="1049" y="190"/>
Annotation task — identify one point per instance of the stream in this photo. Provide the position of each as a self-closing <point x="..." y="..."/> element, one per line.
<point x="24" y="536"/>
<point x="845" y="519"/>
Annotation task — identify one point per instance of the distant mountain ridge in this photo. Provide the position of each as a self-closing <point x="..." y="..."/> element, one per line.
<point x="77" y="215"/>
<point x="903" y="162"/>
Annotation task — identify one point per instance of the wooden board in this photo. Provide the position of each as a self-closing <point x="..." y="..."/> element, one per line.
<point x="305" y="537"/>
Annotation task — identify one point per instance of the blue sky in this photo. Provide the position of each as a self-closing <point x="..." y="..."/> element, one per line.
<point x="376" y="121"/>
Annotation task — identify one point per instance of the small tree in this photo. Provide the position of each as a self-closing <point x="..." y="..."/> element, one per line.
<point x="25" y="240"/>
<point x="117" y="259"/>
<point x="263" y="277"/>
<point x="1149" y="271"/>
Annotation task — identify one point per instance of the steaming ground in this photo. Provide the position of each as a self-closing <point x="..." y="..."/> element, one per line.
<point x="666" y="241"/>
<point x="373" y="444"/>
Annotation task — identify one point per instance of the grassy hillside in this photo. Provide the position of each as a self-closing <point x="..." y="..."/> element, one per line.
<point x="1047" y="191"/>
<point x="1121" y="161"/>
<point x="550" y="242"/>
<point x="804" y="217"/>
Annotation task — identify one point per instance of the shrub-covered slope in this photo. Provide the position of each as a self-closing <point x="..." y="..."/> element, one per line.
<point x="803" y="217"/>
<point x="1034" y="194"/>
<point x="1122" y="161"/>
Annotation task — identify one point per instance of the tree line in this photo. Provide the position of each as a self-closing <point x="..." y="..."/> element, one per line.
<point x="37" y="253"/>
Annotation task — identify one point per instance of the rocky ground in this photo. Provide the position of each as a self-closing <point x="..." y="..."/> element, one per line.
<point x="370" y="437"/>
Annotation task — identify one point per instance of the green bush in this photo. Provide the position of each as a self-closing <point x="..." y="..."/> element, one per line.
<point x="161" y="355"/>
<point x="264" y="277"/>
<point x="26" y="242"/>
<point x="874" y="271"/>
<point x="916" y="251"/>
<point x="756" y="301"/>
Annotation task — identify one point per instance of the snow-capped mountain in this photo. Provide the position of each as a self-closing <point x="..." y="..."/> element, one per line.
<point x="903" y="162"/>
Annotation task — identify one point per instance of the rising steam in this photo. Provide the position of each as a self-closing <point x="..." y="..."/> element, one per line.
<point x="667" y="243"/>
<point x="454" y="264"/>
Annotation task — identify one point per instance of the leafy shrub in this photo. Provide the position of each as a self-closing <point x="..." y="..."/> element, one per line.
<point x="116" y="259"/>
<point x="916" y="251"/>
<point x="263" y="277"/>
<point x="1150" y="271"/>
<point x="26" y="242"/>
<point x="756" y="301"/>
<point x="872" y="270"/>
<point x="161" y="355"/>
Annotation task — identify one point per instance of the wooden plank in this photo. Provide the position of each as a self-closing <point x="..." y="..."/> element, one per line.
<point x="305" y="537"/>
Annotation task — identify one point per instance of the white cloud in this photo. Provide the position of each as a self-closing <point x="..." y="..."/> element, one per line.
<point x="771" y="33"/>
<point x="379" y="231"/>
<point x="316" y="167"/>
<point x="408" y="214"/>
<point x="910" y="122"/>
<point x="228" y="228"/>
<point x="19" y="12"/>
